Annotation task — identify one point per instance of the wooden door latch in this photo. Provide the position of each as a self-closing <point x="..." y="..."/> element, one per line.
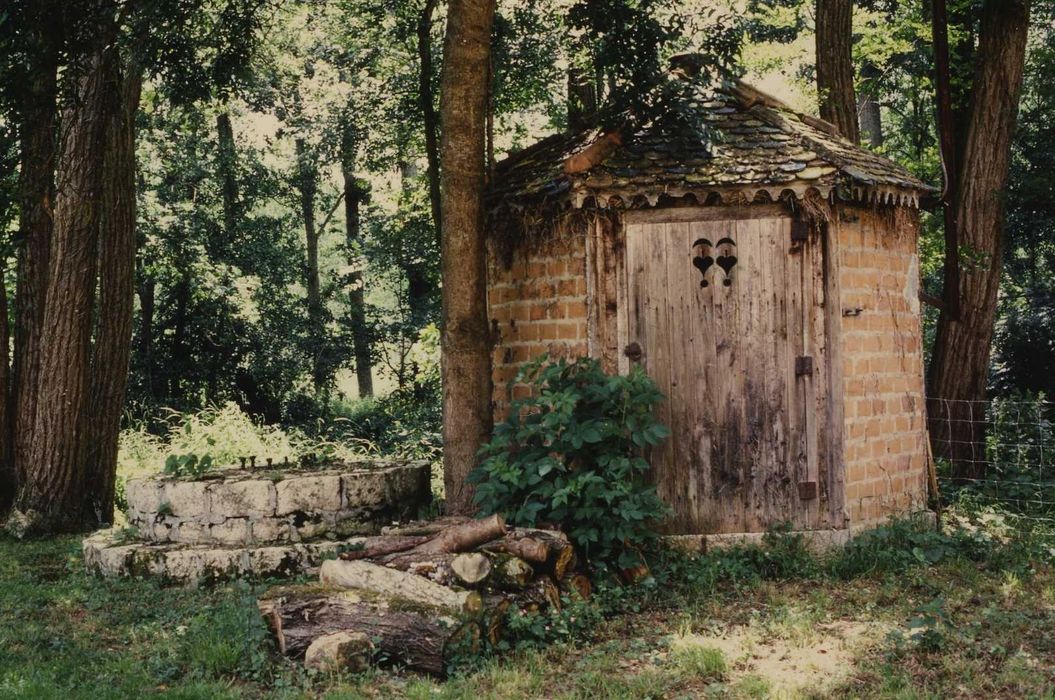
<point x="803" y="366"/>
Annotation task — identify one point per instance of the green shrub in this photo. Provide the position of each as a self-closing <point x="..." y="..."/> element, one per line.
<point x="190" y="465"/>
<point x="571" y="455"/>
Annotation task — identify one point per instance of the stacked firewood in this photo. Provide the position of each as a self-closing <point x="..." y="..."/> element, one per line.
<point x="420" y="593"/>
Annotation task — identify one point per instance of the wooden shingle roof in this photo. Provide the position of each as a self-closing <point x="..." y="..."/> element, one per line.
<point x="732" y="142"/>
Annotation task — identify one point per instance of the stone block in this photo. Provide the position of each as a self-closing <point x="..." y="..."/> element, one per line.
<point x="250" y="497"/>
<point x="161" y="530"/>
<point x="182" y="565"/>
<point x="268" y="530"/>
<point x="274" y="562"/>
<point x="320" y="525"/>
<point x="364" y="488"/>
<point x="360" y="521"/>
<point x="143" y="495"/>
<point x="186" y="499"/>
<point x="308" y="494"/>
<point x="191" y="532"/>
<point x="221" y="564"/>
<point x="230" y="531"/>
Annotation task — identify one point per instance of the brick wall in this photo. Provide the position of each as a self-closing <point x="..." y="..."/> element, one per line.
<point x="882" y="359"/>
<point x="536" y="305"/>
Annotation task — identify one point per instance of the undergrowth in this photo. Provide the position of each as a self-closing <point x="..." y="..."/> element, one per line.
<point x="903" y="547"/>
<point x="977" y="596"/>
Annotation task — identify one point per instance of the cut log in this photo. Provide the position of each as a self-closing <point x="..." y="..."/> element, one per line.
<point x="466" y="536"/>
<point x="561" y="552"/>
<point x="542" y="594"/>
<point x="425" y="527"/>
<point x="471" y="568"/>
<point x="527" y="548"/>
<point x="635" y="574"/>
<point x="493" y="621"/>
<point x="419" y="641"/>
<point x="512" y="573"/>
<point x="367" y="576"/>
<point x="374" y="547"/>
<point x="593" y="154"/>
<point x="578" y="585"/>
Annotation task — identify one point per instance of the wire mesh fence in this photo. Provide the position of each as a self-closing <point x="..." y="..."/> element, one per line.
<point x="997" y="452"/>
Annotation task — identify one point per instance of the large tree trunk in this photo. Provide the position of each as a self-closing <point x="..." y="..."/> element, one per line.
<point x="868" y="107"/>
<point x="960" y="362"/>
<point x="229" y="183"/>
<point x="835" y="68"/>
<point x="466" y="341"/>
<point x="949" y="147"/>
<point x="113" y="332"/>
<point x="54" y="495"/>
<point x="36" y="199"/>
<point x="354" y="195"/>
<point x="582" y="98"/>
<point x="307" y="183"/>
<point x="428" y="112"/>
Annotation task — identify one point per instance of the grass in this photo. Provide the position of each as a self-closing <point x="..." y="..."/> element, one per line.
<point x="902" y="614"/>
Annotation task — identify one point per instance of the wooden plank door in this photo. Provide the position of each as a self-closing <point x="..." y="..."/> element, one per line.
<point x="728" y="315"/>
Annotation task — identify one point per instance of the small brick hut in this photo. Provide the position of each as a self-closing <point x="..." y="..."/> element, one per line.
<point x="762" y="270"/>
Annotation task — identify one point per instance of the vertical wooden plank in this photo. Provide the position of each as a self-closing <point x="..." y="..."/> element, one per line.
<point x="743" y="392"/>
<point x="808" y="380"/>
<point x="724" y="404"/>
<point x="835" y="408"/>
<point x="685" y="367"/>
<point x="780" y="506"/>
<point x="625" y="299"/>
<point x="594" y="330"/>
<point x="819" y="509"/>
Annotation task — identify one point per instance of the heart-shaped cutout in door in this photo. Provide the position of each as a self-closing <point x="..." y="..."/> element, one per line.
<point x="702" y="260"/>
<point x="726" y="258"/>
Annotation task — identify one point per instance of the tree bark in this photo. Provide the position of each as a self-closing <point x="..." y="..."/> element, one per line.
<point x="227" y="162"/>
<point x="36" y="198"/>
<point x="950" y="154"/>
<point x="428" y="113"/>
<point x="113" y="331"/>
<point x="868" y="107"/>
<point x="466" y="536"/>
<point x="307" y="184"/>
<point x="960" y="361"/>
<point x="835" y="68"/>
<point x="354" y="195"/>
<point x="466" y="371"/>
<point x="582" y="98"/>
<point x="54" y="495"/>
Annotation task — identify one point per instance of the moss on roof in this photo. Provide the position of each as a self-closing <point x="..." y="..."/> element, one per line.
<point x="704" y="140"/>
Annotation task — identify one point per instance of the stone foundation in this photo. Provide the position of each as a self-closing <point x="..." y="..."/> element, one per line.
<point x="232" y="523"/>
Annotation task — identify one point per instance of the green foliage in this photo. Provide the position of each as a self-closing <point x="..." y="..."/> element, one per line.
<point x="223" y="433"/>
<point x="188" y="465"/>
<point x="572" y="455"/>
<point x="576" y="621"/>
